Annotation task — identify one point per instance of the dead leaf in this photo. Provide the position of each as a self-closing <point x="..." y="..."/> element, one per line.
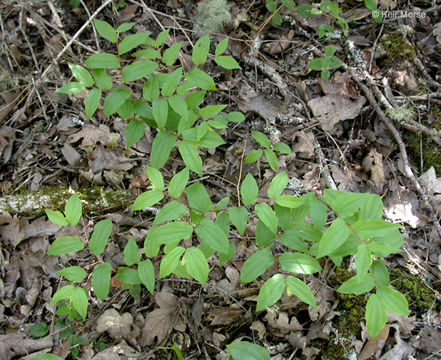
<point x="401" y="350"/>
<point x="114" y="352"/>
<point x="72" y="156"/>
<point x="279" y="46"/>
<point x="259" y="326"/>
<point x="159" y="322"/>
<point x="374" y="346"/>
<point x="430" y="182"/>
<point x="373" y="163"/>
<point x="281" y="324"/>
<point x="92" y="135"/>
<point x="304" y="144"/>
<point x="115" y="325"/>
<point x="225" y="316"/>
<point x="437" y="32"/>
<point x="7" y="136"/>
<point x="331" y="109"/>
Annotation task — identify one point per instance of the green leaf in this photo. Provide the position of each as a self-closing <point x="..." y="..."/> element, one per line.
<point x="170" y="262"/>
<point x="213" y="235"/>
<point x="196" y="265"/>
<point x="171" y="54"/>
<point x="253" y="156"/>
<point x="333" y="237"/>
<point x="71" y="88"/>
<point x="198" y="198"/>
<point x="370" y="4"/>
<point x="244" y="350"/>
<point x="125" y="27"/>
<point x="114" y="100"/>
<point x="256" y="265"/>
<point x="299" y="263"/>
<point x="222" y="205"/>
<point x="79" y="299"/>
<point x="171" y="233"/>
<point x="146" y="273"/>
<point x="200" y="50"/>
<point x="178" y="104"/>
<point x="74" y="274"/>
<point x="289" y="4"/>
<point x="149" y="53"/>
<point x="329" y="51"/>
<point x="162" y="146"/>
<point x="132" y="41"/>
<point x="239" y="218"/>
<point x="377" y="16"/>
<point x="318" y="212"/>
<point x="56" y="217"/>
<point x="292" y="240"/>
<point x="147" y="199"/>
<point x="271" y="6"/>
<point x="357" y="286"/>
<point x="278" y="184"/>
<point x="100" y="237"/>
<point x="380" y="273"/>
<point x="106" y="30"/>
<point x="47" y="357"/>
<point x="160" y="112"/>
<point x="272" y="159"/>
<point x="131" y="252"/>
<point x="282" y="148"/>
<point x="128" y="276"/>
<point x="178" y="183"/>
<point x="169" y="212"/>
<point x="150" y="91"/>
<point x="138" y="69"/>
<point x="298" y="288"/>
<point x="162" y="37"/>
<point x="155" y="178"/>
<point x="195" y="99"/>
<point x="376" y="315"/>
<point x="171" y="82"/>
<point x="102" y="79"/>
<point x="102" y="61"/>
<point x="363" y="260"/>
<point x="346" y="204"/>
<point x="277" y="20"/>
<point x="200" y="79"/>
<point x="235" y="117"/>
<point x="393" y="300"/>
<point x="92" y="101"/>
<point x="62" y="293"/>
<point x="267" y="215"/>
<point x="190" y="156"/>
<point x="261" y="139"/>
<point x="134" y="132"/>
<point x="211" y="140"/>
<point x="227" y="62"/>
<point x="221" y="47"/>
<point x="209" y="111"/>
<point x="101" y="280"/>
<point x="249" y="190"/>
<point x="39" y="330"/>
<point x="368" y="229"/>
<point x="264" y="236"/>
<point x="81" y="74"/>
<point x="270" y="292"/>
<point x="317" y="64"/>
<point x="372" y="208"/>
<point x="65" y="245"/>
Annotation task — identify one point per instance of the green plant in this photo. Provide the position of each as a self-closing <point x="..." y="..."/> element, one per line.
<point x="293" y="234"/>
<point x="269" y="150"/>
<point x="324" y="64"/>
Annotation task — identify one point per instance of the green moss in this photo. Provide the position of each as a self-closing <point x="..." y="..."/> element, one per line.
<point x="418" y="143"/>
<point x="420" y="297"/>
<point x="396" y="48"/>
<point x="211" y="17"/>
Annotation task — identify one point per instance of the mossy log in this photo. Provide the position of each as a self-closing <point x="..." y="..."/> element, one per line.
<point x="34" y="203"/>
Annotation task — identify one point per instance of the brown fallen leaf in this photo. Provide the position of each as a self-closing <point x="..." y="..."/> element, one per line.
<point x="92" y="135"/>
<point x="374" y="346"/>
<point x="116" y="325"/>
<point x="159" y="322"/>
<point x="373" y="163"/>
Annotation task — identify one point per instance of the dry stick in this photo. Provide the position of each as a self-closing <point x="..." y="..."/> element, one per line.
<point x="407" y="169"/>
<point x="426" y="75"/>
<point x="78" y="33"/>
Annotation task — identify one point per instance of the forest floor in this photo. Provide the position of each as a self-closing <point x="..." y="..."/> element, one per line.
<point x="340" y="135"/>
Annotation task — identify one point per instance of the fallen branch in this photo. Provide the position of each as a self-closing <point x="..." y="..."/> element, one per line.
<point x="407" y="169"/>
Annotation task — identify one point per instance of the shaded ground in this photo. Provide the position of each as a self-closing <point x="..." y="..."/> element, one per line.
<point x="338" y="140"/>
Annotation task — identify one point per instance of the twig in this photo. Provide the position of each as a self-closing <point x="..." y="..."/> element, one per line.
<point x="374" y="46"/>
<point x="97" y="42"/>
<point x="329" y="181"/>
<point x="407" y="169"/>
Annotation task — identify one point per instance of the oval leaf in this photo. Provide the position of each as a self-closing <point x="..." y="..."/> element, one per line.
<point x="65" y="245"/>
<point x="270" y="292"/>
